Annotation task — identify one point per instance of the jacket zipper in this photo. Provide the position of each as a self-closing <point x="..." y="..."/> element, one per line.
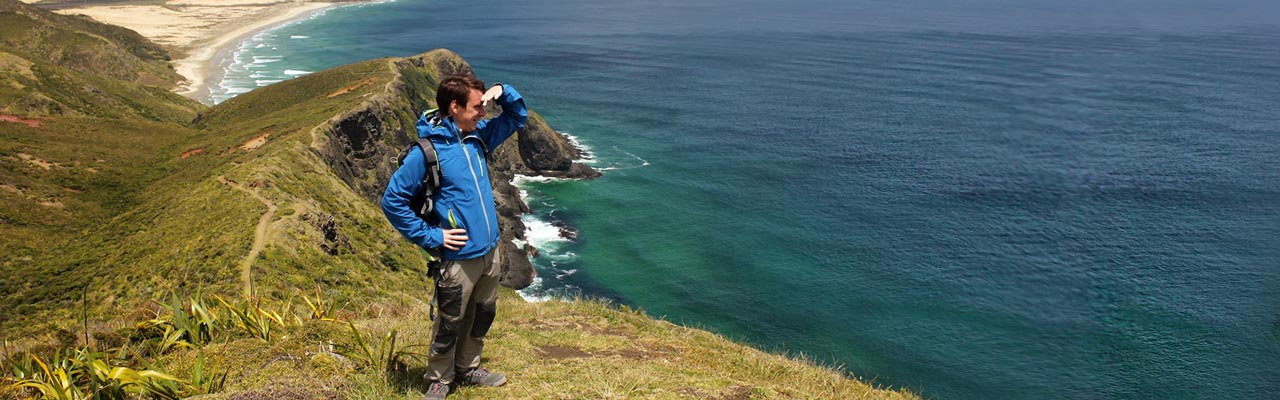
<point x="470" y="166"/>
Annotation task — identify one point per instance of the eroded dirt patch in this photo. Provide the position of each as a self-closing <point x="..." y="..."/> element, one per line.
<point x="575" y="326"/>
<point x="34" y="123"/>
<point x="736" y="393"/>
<point x="191" y="152"/>
<point x="560" y="352"/>
<point x="348" y="89"/>
<point x="729" y="393"/>
<point x="644" y="353"/>
<point x="37" y="161"/>
<point x="256" y="142"/>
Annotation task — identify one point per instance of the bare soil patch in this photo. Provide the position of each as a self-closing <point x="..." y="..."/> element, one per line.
<point x="560" y="352"/>
<point x="191" y="152"/>
<point x="34" y="123"/>
<point x="37" y="161"/>
<point x="737" y="393"/>
<point x="348" y="89"/>
<point x="256" y="142"/>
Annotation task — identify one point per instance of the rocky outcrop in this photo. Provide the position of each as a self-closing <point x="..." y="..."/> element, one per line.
<point x="332" y="241"/>
<point x="363" y="142"/>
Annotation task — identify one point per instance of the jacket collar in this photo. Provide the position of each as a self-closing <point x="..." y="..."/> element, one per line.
<point x="445" y="129"/>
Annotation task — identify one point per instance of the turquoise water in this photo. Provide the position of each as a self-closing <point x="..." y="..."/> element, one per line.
<point x="995" y="199"/>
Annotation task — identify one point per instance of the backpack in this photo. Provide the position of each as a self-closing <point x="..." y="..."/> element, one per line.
<point x="421" y="202"/>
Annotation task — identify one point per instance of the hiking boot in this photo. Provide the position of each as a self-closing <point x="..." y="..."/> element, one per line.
<point x="483" y="377"/>
<point x="436" y="391"/>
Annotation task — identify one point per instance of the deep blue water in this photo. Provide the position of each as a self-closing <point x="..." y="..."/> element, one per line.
<point x="974" y="200"/>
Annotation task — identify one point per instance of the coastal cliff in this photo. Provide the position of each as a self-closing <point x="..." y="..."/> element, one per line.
<point x="359" y="143"/>
<point x="137" y="191"/>
<point x="237" y="251"/>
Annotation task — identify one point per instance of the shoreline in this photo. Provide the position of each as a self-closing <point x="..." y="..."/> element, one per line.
<point x="548" y="232"/>
<point x="201" y="34"/>
<point x="204" y="65"/>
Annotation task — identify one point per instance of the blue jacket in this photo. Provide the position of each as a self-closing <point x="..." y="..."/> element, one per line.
<point x="464" y="188"/>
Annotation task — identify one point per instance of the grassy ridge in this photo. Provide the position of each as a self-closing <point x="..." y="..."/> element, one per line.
<point x="179" y="228"/>
<point x="108" y="185"/>
<point x="67" y="65"/>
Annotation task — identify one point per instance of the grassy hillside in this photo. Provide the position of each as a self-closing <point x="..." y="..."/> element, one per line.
<point x="182" y="228"/>
<point x="54" y="64"/>
<point x="108" y="185"/>
<point x="236" y="248"/>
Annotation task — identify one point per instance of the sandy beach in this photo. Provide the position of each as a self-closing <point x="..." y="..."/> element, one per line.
<point x="196" y="32"/>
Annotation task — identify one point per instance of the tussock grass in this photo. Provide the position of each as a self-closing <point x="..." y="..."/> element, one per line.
<point x="577" y="349"/>
<point x="559" y="349"/>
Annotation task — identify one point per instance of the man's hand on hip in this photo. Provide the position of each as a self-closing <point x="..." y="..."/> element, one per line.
<point x="454" y="239"/>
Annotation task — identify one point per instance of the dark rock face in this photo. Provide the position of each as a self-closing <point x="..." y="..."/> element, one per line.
<point x="333" y="241"/>
<point x="358" y="154"/>
<point x="363" y="143"/>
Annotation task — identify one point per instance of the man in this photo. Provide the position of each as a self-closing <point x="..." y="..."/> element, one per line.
<point x="466" y="289"/>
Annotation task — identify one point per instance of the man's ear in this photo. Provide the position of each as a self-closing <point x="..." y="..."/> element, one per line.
<point x="454" y="108"/>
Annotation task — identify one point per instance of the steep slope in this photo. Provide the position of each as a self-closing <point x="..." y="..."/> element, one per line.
<point x="83" y="129"/>
<point x="318" y="149"/>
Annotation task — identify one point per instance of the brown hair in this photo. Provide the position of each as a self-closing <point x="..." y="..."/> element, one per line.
<point x="456" y="88"/>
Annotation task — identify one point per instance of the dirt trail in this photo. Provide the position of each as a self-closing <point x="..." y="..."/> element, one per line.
<point x="259" y="236"/>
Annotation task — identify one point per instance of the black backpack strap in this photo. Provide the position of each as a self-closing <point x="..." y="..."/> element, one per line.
<point x="431" y="179"/>
<point x="421" y="203"/>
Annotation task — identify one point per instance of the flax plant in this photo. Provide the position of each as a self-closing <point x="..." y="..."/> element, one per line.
<point x="321" y="308"/>
<point x="385" y="354"/>
<point x="252" y="319"/>
<point x="181" y="325"/>
<point x="85" y="374"/>
<point x="208" y="379"/>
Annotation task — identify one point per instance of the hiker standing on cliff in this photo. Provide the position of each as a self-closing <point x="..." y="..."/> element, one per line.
<point x="467" y="227"/>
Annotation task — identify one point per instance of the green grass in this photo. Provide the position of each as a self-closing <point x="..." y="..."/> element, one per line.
<point x="96" y="170"/>
<point x="560" y="349"/>
<point x="587" y="349"/>
<point x="127" y="217"/>
<point x="151" y="221"/>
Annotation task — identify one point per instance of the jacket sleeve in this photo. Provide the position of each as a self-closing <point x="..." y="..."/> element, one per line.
<point x="395" y="203"/>
<point x="514" y="116"/>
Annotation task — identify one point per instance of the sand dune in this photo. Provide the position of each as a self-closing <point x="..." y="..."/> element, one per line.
<point x="196" y="31"/>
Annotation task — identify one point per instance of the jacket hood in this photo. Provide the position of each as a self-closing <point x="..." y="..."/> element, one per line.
<point x="433" y="125"/>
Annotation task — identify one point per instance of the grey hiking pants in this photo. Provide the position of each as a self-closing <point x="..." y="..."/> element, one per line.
<point x="467" y="297"/>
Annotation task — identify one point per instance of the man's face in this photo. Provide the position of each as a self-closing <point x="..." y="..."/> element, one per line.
<point x="467" y="116"/>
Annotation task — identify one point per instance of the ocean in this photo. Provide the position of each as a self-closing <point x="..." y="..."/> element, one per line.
<point x="973" y="200"/>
